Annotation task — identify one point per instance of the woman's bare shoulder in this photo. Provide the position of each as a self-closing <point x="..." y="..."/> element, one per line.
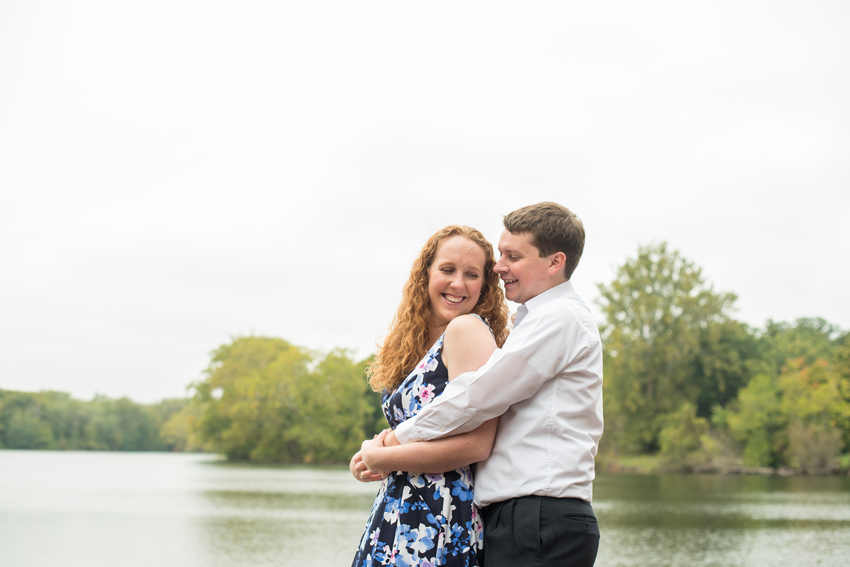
<point x="467" y="345"/>
<point x="467" y="328"/>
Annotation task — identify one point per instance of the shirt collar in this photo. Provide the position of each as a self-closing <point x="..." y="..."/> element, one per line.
<point x="560" y="290"/>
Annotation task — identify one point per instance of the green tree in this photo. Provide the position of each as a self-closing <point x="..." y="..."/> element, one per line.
<point x="798" y="418"/>
<point x="756" y="420"/>
<point x="180" y="431"/>
<point x="66" y="417"/>
<point x="808" y="338"/>
<point x="668" y="337"/>
<point x="54" y="420"/>
<point x="684" y="439"/>
<point x="375" y="420"/>
<point x="22" y="422"/>
<point x="137" y="426"/>
<point x="27" y="431"/>
<point x="264" y="399"/>
<point x="333" y="414"/>
<point x="724" y="363"/>
<point x="816" y="403"/>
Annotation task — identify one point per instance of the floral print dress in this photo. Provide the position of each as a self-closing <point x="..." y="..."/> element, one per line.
<point x="421" y="519"/>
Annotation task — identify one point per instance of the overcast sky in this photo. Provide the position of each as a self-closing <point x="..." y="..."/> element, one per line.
<point x="176" y="173"/>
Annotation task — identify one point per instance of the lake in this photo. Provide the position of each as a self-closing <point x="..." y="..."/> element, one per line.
<point x="75" y="509"/>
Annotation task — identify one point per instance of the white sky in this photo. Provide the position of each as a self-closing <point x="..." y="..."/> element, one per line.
<point x="176" y="173"/>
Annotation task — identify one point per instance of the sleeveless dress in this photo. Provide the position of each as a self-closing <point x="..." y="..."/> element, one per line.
<point x="421" y="519"/>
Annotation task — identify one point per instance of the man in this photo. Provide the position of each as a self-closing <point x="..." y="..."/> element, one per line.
<point x="546" y="384"/>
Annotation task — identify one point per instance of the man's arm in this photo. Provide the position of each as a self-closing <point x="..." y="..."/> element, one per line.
<point x="434" y="457"/>
<point x="534" y="352"/>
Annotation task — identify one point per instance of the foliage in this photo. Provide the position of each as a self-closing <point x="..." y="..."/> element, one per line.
<point x="807" y="338"/>
<point x="723" y="364"/>
<point x="816" y="401"/>
<point x="264" y="399"/>
<point x="668" y="340"/>
<point x="685" y="440"/>
<point x="757" y="422"/>
<point x="179" y="432"/>
<point x="54" y="420"/>
<point x="674" y="357"/>
<point x="798" y="418"/>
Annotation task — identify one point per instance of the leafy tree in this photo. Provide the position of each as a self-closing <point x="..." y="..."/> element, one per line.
<point x="22" y="423"/>
<point x="247" y="389"/>
<point x="169" y="407"/>
<point x="180" y="431"/>
<point x="723" y="364"/>
<point x="264" y="399"/>
<point x="54" y="420"/>
<point x="842" y="369"/>
<point x="685" y="440"/>
<point x="668" y="340"/>
<point x="795" y="419"/>
<point x="808" y="338"/>
<point x="66" y="418"/>
<point x="137" y="426"/>
<point x="816" y="401"/>
<point x="756" y="420"/>
<point x="794" y="412"/>
<point x="26" y="431"/>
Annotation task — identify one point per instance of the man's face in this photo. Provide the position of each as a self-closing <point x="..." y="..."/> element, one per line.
<point x="524" y="273"/>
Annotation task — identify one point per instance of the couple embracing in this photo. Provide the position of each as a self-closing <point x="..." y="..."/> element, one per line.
<point x="518" y="415"/>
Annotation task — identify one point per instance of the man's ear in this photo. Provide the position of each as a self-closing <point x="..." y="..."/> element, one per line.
<point x="556" y="264"/>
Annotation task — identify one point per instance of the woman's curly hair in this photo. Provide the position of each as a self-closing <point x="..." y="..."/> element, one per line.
<point x="409" y="336"/>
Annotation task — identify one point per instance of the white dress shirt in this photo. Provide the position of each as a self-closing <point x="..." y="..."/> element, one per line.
<point x="546" y="384"/>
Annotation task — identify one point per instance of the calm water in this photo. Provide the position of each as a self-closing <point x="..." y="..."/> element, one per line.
<point x="153" y="509"/>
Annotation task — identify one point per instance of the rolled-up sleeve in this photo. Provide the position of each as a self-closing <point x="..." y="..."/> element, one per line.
<point x="512" y="374"/>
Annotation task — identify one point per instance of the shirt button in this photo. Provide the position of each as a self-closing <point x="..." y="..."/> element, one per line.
<point x="442" y="430"/>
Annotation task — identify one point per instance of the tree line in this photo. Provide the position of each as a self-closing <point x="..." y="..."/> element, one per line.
<point x="683" y="380"/>
<point x="261" y="399"/>
<point x="686" y="381"/>
<point x="54" y="420"/>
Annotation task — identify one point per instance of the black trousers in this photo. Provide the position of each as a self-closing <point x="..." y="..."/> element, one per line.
<point x="540" y="531"/>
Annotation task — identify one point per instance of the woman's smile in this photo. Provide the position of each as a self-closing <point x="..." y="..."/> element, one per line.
<point x="455" y="279"/>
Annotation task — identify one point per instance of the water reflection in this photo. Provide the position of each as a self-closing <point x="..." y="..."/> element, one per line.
<point x="169" y="510"/>
<point x="723" y="520"/>
<point x="282" y="516"/>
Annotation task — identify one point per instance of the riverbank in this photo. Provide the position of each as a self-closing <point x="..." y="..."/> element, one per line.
<point x="652" y="464"/>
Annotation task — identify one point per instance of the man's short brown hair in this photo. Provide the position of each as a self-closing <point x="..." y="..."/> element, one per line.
<point x="553" y="228"/>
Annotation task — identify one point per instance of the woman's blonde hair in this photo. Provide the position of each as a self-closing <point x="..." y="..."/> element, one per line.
<point x="410" y="333"/>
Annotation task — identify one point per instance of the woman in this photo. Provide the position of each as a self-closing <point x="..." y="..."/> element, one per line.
<point x="427" y="518"/>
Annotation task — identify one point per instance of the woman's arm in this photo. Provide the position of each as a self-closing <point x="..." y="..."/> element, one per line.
<point x="434" y="457"/>
<point x="360" y="471"/>
<point x="467" y="345"/>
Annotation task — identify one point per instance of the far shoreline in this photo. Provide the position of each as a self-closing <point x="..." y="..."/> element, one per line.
<point x="650" y="464"/>
<point x="626" y="465"/>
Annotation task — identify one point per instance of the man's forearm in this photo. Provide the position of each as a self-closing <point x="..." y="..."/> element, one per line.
<point x="474" y="398"/>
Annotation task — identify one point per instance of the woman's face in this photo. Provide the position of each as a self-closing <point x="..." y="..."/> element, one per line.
<point x="455" y="279"/>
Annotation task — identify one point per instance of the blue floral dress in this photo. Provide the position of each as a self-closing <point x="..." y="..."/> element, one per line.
<point x="421" y="519"/>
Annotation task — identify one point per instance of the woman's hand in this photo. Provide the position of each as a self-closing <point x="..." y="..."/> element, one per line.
<point x="371" y="449"/>
<point x="360" y="472"/>
<point x="390" y="440"/>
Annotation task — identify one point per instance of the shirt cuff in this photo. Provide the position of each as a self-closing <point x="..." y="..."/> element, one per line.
<point x="405" y="432"/>
<point x="408" y="432"/>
